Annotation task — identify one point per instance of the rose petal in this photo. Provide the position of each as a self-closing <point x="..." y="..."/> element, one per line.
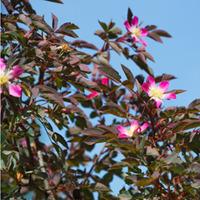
<point x="121" y="130"/>
<point x="145" y="87"/>
<point x="170" y="95"/>
<point x="134" y="21"/>
<point x="16" y="71"/>
<point x="15" y="90"/>
<point x="127" y="25"/>
<point x="121" y="136"/>
<point x="144" y="127"/>
<point x="92" y="95"/>
<point x="144" y="32"/>
<point x="105" y="81"/>
<point x="134" y="126"/>
<point x="164" y="85"/>
<point x="151" y="81"/>
<point x="143" y="42"/>
<point x="2" y="64"/>
<point x="158" y="102"/>
<point x="135" y="39"/>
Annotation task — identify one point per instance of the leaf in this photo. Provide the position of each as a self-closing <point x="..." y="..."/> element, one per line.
<point x="128" y="73"/>
<point x="101" y="187"/>
<point x="115" y="109"/>
<point x="165" y="77"/>
<point x="54" y="21"/>
<point x="55" y="1"/>
<point x="116" y="47"/>
<point x="195" y="104"/>
<point x="95" y="132"/>
<point x="84" y="44"/>
<point x="152" y="151"/>
<point x="50" y="93"/>
<point x="26" y="20"/>
<point x="104" y="26"/>
<point x="39" y="22"/>
<point x="111" y="73"/>
<point x="59" y="138"/>
<point x="155" y="37"/>
<point x="173" y="158"/>
<point x="176" y="91"/>
<point x="129" y="15"/>
<point x="143" y="65"/>
<point x="67" y="29"/>
<point x="148" y="55"/>
<point x="162" y="33"/>
<point x="150" y="27"/>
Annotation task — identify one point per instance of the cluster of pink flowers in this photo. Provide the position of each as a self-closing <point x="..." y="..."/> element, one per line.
<point x="156" y="92"/>
<point x="135" y="31"/>
<point x="93" y="93"/>
<point x="8" y="77"/>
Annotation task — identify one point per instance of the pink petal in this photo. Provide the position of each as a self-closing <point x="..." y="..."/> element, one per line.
<point x="1" y="90"/>
<point x="16" y="71"/>
<point x="134" y="21"/>
<point x="164" y="85"/>
<point x="2" y="64"/>
<point x="144" y="32"/>
<point x="121" y="136"/>
<point x="121" y="130"/>
<point x="105" y="81"/>
<point x="143" y="42"/>
<point x="15" y="90"/>
<point x="135" y="39"/>
<point x="23" y="142"/>
<point x="134" y="123"/>
<point x="127" y="25"/>
<point x="134" y="126"/>
<point x="92" y="95"/>
<point x="158" y="102"/>
<point x="144" y="127"/>
<point x="170" y="95"/>
<point x="151" y="81"/>
<point x="145" y="87"/>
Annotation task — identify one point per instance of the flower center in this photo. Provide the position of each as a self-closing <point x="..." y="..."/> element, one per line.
<point x="132" y="130"/>
<point x="136" y="31"/>
<point x="156" y="92"/>
<point x="65" y="47"/>
<point x="4" y="78"/>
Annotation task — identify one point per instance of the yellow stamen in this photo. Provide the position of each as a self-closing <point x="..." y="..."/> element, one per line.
<point x="132" y="130"/>
<point x="156" y="92"/>
<point x="19" y="176"/>
<point x="65" y="47"/>
<point x="4" y="78"/>
<point x="136" y="31"/>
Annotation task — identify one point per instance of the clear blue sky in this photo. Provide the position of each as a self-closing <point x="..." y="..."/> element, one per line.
<point x="178" y="56"/>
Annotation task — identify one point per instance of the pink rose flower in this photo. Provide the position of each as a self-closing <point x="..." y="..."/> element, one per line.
<point x="7" y="78"/>
<point x="157" y="92"/>
<point x="136" y="31"/>
<point x="135" y="128"/>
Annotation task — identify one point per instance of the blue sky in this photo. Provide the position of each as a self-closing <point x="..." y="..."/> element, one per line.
<point x="178" y="56"/>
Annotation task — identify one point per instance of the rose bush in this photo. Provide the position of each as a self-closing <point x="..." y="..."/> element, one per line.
<point x="76" y="99"/>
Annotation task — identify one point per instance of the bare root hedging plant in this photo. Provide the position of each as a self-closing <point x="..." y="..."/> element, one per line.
<point x="98" y="124"/>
